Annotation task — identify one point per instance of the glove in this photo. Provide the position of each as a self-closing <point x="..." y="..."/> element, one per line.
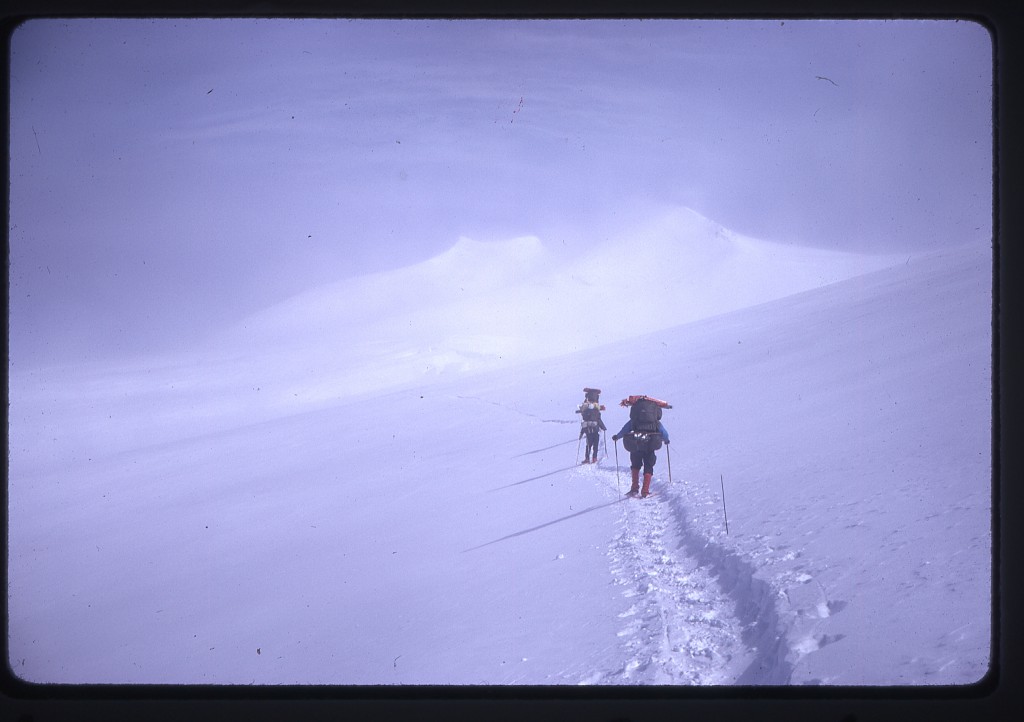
<point x="615" y="437"/>
<point x="667" y="442"/>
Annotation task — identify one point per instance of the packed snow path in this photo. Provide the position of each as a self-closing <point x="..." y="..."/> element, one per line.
<point x="687" y="621"/>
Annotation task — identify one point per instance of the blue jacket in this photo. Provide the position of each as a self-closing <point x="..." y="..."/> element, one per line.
<point x="628" y="426"/>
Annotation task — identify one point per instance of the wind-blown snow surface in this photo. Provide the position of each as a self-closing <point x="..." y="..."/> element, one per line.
<point x="440" y="531"/>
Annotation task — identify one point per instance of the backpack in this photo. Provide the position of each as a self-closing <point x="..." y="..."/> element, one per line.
<point x="645" y="415"/>
<point x="642" y="442"/>
<point x="590" y="412"/>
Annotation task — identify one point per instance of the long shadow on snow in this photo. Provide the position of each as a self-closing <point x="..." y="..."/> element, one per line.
<point x="541" y="526"/>
<point x="546" y="448"/>
<point x="754" y="598"/>
<point x="533" y="478"/>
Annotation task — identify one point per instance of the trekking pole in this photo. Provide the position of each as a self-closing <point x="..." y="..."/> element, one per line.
<point x="668" y="451"/>
<point x="578" y="448"/>
<point x="618" y="488"/>
<point x="721" y="479"/>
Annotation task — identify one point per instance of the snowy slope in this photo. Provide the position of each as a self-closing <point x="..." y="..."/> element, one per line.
<point x="480" y="305"/>
<point x="440" y="531"/>
<point x="852" y="429"/>
<point x="477" y="306"/>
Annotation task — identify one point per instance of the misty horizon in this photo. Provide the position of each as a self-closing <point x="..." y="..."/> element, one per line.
<point x="172" y="177"/>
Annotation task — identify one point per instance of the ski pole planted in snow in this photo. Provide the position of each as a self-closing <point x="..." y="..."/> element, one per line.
<point x="578" y="448"/>
<point x="668" y="453"/>
<point x="617" y="487"/>
<point x="721" y="479"/>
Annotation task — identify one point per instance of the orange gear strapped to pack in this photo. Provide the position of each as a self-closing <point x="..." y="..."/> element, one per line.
<point x="630" y="400"/>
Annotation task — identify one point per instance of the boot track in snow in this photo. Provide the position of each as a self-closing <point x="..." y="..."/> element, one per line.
<point x="696" y="614"/>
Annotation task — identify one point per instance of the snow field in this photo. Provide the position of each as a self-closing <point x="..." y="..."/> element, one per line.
<point x="852" y="479"/>
<point x="454" y="539"/>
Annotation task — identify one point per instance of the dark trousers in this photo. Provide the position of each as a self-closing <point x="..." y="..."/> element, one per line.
<point x="646" y="459"/>
<point x="593" y="440"/>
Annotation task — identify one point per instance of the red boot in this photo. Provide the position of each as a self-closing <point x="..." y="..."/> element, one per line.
<point x="646" y="491"/>
<point x="635" y="488"/>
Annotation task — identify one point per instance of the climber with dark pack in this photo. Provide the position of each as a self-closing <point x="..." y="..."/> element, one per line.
<point x="591" y="424"/>
<point x="643" y="435"/>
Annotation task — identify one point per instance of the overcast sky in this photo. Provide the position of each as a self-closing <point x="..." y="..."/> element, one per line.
<point x="169" y="176"/>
